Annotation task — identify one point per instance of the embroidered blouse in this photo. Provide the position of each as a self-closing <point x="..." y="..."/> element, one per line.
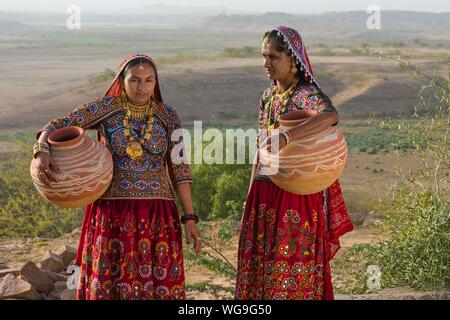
<point x="146" y="177"/>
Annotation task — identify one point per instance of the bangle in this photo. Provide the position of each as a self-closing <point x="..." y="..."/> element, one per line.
<point x="189" y="216"/>
<point x="39" y="147"/>
<point x="286" y="135"/>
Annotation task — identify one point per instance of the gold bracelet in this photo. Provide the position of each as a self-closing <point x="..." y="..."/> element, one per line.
<point x="39" y="147"/>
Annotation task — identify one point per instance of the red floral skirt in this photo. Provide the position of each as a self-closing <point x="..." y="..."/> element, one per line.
<point x="287" y="242"/>
<point x="131" y="250"/>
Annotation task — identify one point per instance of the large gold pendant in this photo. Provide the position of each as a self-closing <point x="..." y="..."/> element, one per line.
<point x="134" y="150"/>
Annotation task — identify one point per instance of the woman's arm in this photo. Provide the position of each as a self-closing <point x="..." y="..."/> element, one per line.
<point x="254" y="166"/>
<point x="86" y="116"/>
<point x="44" y="164"/>
<point x="327" y="115"/>
<point x="180" y="175"/>
<point x="314" y="125"/>
<point x="43" y="137"/>
<point x="183" y="191"/>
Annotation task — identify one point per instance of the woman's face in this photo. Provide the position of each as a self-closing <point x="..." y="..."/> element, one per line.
<point x="277" y="64"/>
<point x="139" y="83"/>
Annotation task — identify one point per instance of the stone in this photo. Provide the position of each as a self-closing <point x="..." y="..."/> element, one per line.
<point x="68" y="294"/>
<point x="37" y="278"/>
<point x="5" y="272"/>
<point x="74" y="235"/>
<point x="358" y="218"/>
<point x="52" y="262"/>
<point x="56" y="276"/>
<point x="60" y="287"/>
<point x="68" y="254"/>
<point x="14" y="288"/>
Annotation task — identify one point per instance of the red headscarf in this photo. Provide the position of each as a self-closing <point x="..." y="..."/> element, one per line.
<point x="115" y="89"/>
<point x="295" y="43"/>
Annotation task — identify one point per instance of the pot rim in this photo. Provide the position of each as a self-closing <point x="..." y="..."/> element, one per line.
<point x="295" y="116"/>
<point x="77" y="132"/>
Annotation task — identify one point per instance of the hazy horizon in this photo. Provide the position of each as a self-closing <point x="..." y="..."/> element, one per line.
<point x="250" y="6"/>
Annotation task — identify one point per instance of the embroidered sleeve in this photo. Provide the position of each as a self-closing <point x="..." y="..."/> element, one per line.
<point x="176" y="160"/>
<point x="311" y="98"/>
<point x="314" y="99"/>
<point x="262" y="112"/>
<point x="262" y="116"/>
<point x="86" y="116"/>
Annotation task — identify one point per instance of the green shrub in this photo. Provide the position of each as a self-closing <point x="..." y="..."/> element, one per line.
<point x="23" y="212"/>
<point x="326" y="53"/>
<point x="373" y="139"/>
<point x="216" y="184"/>
<point x="178" y="58"/>
<point x="417" y="253"/>
<point x="229" y="187"/>
<point x="243" y="52"/>
<point x="106" y="75"/>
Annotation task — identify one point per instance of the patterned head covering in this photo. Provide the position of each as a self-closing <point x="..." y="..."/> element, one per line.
<point x="115" y="89"/>
<point x="293" y="40"/>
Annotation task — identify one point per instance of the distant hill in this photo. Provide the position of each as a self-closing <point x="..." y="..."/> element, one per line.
<point x="168" y="10"/>
<point x="330" y="27"/>
<point x="8" y="26"/>
<point x="348" y="26"/>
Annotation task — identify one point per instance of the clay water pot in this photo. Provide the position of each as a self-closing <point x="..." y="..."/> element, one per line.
<point x="86" y="169"/>
<point x="310" y="164"/>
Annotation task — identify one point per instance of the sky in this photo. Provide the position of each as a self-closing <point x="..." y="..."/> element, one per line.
<point x="290" y="6"/>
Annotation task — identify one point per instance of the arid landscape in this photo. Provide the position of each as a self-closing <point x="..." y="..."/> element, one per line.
<point x="47" y="70"/>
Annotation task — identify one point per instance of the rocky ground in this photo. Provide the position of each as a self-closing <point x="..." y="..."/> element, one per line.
<point x="36" y="269"/>
<point x="46" y="280"/>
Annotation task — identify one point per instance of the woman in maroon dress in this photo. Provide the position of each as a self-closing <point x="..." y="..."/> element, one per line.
<point x="287" y="240"/>
<point x="131" y="241"/>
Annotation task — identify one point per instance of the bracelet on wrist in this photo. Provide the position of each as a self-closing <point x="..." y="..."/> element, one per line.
<point x="39" y="147"/>
<point x="286" y="135"/>
<point x="189" y="216"/>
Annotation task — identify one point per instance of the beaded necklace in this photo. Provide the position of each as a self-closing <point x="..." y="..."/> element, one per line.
<point x="133" y="112"/>
<point x="284" y="97"/>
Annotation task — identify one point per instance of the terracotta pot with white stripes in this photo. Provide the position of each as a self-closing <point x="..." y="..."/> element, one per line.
<point x="86" y="169"/>
<point x="310" y="164"/>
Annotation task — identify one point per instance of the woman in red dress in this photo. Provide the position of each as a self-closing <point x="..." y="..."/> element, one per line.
<point x="287" y="240"/>
<point x="131" y="242"/>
